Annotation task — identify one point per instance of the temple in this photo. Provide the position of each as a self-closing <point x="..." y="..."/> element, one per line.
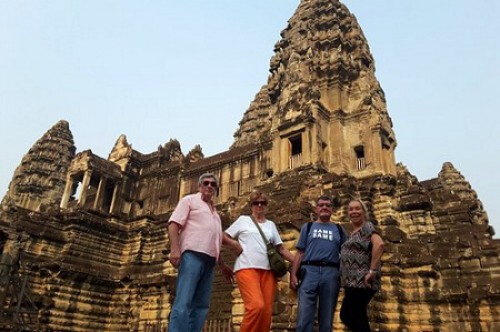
<point x="83" y="238"/>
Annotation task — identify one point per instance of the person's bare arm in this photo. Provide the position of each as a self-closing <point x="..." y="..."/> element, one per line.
<point x="285" y="253"/>
<point x="377" y="251"/>
<point x="226" y="271"/>
<point x="175" y="247"/>
<point x="232" y="243"/>
<point x="294" y="282"/>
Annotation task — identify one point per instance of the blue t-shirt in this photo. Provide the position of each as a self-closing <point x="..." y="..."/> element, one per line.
<point x="321" y="244"/>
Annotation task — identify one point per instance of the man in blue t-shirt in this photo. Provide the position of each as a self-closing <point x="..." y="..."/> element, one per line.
<point x="317" y="264"/>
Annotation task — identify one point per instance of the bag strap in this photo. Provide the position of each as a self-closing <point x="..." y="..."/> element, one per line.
<point x="308" y="229"/>
<point x="266" y="241"/>
<point x="341" y="234"/>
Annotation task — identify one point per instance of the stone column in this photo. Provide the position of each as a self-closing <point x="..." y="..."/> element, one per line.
<point x="275" y="155"/>
<point x="67" y="192"/>
<point x="284" y="154"/>
<point x="100" y="193"/>
<point x="114" y="200"/>
<point x="85" y="187"/>
<point x="336" y="142"/>
<point x="314" y="143"/>
<point x="374" y="156"/>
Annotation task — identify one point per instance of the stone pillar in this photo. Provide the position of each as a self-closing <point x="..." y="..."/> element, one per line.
<point x="85" y="187"/>
<point x="100" y="193"/>
<point x="374" y="156"/>
<point x="335" y="144"/>
<point x="275" y="154"/>
<point x="225" y="178"/>
<point x="314" y="137"/>
<point x="284" y="154"/>
<point x="114" y="200"/>
<point x="67" y="192"/>
<point x="306" y="146"/>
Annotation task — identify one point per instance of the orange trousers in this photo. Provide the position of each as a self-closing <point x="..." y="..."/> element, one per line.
<point x="257" y="288"/>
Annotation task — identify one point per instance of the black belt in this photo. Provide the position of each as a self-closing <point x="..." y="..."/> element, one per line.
<point x="320" y="263"/>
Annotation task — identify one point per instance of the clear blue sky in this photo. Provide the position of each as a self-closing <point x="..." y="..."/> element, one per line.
<point x="155" y="70"/>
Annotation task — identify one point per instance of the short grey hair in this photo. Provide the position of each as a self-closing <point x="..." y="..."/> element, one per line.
<point x="324" y="198"/>
<point x="208" y="175"/>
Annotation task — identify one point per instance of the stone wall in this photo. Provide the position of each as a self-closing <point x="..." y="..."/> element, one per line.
<point x="440" y="268"/>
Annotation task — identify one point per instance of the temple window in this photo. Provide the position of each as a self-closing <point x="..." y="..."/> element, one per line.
<point x="108" y="195"/>
<point x="295" y="145"/>
<point x="360" y="157"/>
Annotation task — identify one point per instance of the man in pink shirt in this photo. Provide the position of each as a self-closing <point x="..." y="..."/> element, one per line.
<point x="195" y="234"/>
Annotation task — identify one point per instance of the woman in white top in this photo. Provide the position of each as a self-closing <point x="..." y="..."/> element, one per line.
<point x="257" y="283"/>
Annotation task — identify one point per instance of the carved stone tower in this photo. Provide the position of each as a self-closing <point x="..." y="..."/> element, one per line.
<point x="39" y="178"/>
<point x="322" y="104"/>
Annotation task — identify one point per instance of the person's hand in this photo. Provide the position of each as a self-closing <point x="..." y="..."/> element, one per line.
<point x="369" y="277"/>
<point x="294" y="282"/>
<point x="227" y="272"/>
<point x="238" y="249"/>
<point x="175" y="258"/>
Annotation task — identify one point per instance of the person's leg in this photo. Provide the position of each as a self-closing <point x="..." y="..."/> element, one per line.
<point x="347" y="310"/>
<point x="201" y="299"/>
<point x="365" y="296"/>
<point x="308" y="292"/>
<point x="187" y="281"/>
<point x="354" y="311"/>
<point x="251" y="293"/>
<point x="328" y="294"/>
<point x="268" y="286"/>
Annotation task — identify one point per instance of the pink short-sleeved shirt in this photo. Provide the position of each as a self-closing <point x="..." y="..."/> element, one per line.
<point x="201" y="229"/>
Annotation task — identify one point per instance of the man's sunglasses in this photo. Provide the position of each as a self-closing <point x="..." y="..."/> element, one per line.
<point x="209" y="183"/>
<point x="259" y="203"/>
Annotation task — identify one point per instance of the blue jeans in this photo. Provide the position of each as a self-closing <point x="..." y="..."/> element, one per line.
<point x="319" y="289"/>
<point x="193" y="291"/>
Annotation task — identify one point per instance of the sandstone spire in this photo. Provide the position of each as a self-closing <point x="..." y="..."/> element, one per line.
<point x="324" y="57"/>
<point x="41" y="176"/>
<point x="323" y="73"/>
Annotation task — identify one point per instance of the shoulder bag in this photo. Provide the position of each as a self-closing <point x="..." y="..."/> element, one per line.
<point x="276" y="261"/>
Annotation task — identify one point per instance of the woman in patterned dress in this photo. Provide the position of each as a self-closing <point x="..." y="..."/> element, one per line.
<point x="360" y="268"/>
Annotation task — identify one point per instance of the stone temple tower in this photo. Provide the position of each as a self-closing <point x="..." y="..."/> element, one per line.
<point x="38" y="180"/>
<point x="322" y="104"/>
